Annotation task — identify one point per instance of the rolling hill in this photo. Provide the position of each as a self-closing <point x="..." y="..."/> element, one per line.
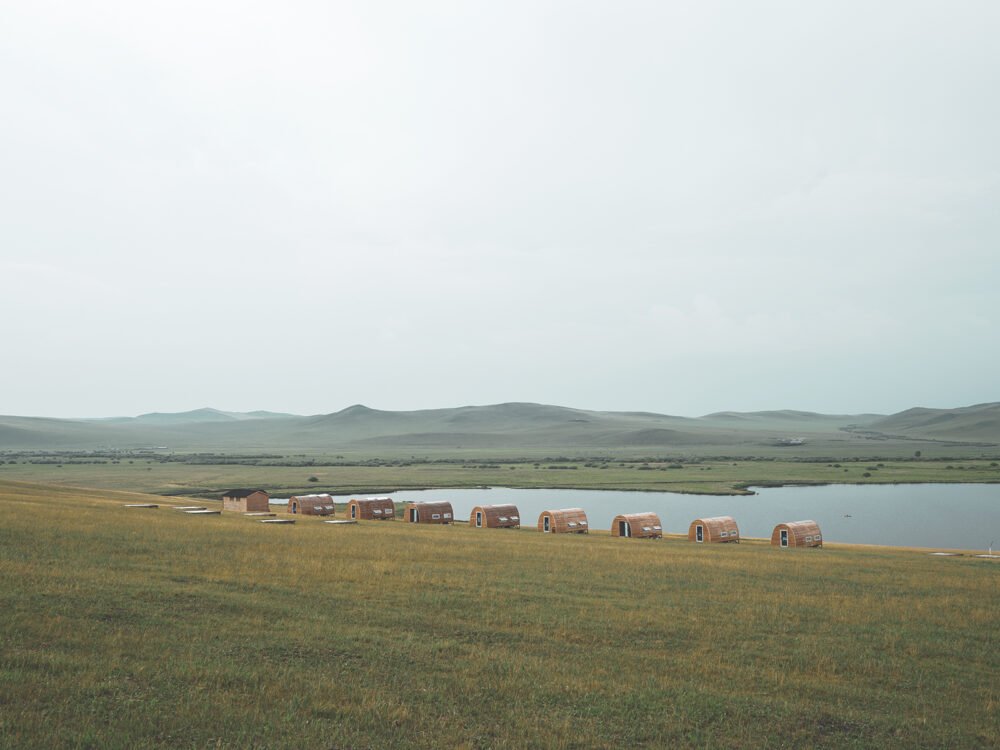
<point x="978" y="422"/>
<point x="508" y="427"/>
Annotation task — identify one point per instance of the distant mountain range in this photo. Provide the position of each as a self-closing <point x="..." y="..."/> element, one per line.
<point x="191" y="417"/>
<point x="524" y="427"/>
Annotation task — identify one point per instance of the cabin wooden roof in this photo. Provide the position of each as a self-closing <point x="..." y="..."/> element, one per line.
<point x="433" y="505"/>
<point x="323" y="498"/>
<point x="642" y="524"/>
<point x="496" y="515"/>
<point x="373" y="507"/>
<point x="564" y="520"/>
<point x="800" y="534"/>
<point x="427" y="510"/>
<point x="379" y="502"/>
<point x="717" y="528"/>
<point x="241" y="492"/>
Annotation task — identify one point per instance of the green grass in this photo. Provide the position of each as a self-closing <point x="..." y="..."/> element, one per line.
<point x="705" y="476"/>
<point x="147" y="628"/>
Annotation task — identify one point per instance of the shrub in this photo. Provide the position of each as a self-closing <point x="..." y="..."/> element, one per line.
<point x="313" y="479"/>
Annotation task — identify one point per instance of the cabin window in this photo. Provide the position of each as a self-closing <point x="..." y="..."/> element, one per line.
<point x="646" y="528"/>
<point x="809" y="538"/>
<point x="446" y="515"/>
<point x="658" y="528"/>
<point x="571" y="524"/>
<point x="435" y="516"/>
<point x="503" y="519"/>
<point x="583" y="523"/>
<point x="724" y="534"/>
<point x="515" y="518"/>
<point x="816" y="538"/>
<point x="377" y="511"/>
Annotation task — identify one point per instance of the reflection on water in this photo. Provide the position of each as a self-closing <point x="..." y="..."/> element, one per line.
<point x="960" y="516"/>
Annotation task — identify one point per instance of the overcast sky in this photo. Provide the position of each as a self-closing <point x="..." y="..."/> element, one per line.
<point x="679" y="207"/>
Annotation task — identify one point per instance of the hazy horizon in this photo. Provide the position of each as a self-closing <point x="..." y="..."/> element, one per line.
<point x="459" y="406"/>
<point x="676" y="207"/>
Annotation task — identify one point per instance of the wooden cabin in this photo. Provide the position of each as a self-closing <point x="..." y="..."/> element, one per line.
<point x="246" y="501"/>
<point x="430" y="512"/>
<point x="311" y="505"/>
<point x="372" y="508"/>
<point x="638" y="525"/>
<point x="797" y="534"/>
<point x="717" y="529"/>
<point x="565" y="521"/>
<point x="495" y="517"/>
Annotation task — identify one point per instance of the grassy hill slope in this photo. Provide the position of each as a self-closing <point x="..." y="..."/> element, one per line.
<point x="522" y="427"/>
<point x="978" y="422"/>
<point x="149" y="628"/>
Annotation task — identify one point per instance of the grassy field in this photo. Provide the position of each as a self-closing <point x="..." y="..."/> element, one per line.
<point x="705" y="476"/>
<point x="146" y="628"/>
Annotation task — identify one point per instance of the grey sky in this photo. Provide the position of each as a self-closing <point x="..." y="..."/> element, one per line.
<point x="678" y="207"/>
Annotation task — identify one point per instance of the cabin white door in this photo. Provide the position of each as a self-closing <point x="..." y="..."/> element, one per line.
<point x="545" y="525"/>
<point x="354" y="511"/>
<point x="295" y="508"/>
<point x="784" y="537"/>
<point x="699" y="533"/>
<point x="413" y="515"/>
<point x="479" y="519"/>
<point x="624" y="528"/>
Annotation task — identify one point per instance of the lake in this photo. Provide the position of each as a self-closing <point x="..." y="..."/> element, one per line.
<point x="946" y="516"/>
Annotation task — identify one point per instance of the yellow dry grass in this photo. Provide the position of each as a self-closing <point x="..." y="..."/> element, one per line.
<point x="150" y="628"/>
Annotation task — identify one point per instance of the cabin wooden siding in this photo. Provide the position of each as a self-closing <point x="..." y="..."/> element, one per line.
<point x="372" y="508"/>
<point x="641" y="525"/>
<point x="564" y="521"/>
<point x="800" y="534"/>
<point x="717" y="529"/>
<point x="311" y="505"/>
<point x="246" y="501"/>
<point x="431" y="512"/>
<point x="496" y="517"/>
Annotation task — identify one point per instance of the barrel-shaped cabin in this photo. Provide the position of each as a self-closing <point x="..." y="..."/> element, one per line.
<point x="717" y="529"/>
<point x="372" y="508"/>
<point x="797" y="534"/>
<point x="429" y="512"/>
<point x="246" y="500"/>
<point x="495" y="517"/>
<point x="638" y="525"/>
<point x="563" y="521"/>
<point x="311" y="505"/>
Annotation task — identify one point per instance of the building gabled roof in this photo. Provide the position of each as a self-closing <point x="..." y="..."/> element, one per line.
<point x="241" y="493"/>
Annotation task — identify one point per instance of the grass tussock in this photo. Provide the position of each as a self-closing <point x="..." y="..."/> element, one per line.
<point x="149" y="628"/>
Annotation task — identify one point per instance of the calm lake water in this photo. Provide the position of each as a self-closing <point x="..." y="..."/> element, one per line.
<point x="959" y="516"/>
